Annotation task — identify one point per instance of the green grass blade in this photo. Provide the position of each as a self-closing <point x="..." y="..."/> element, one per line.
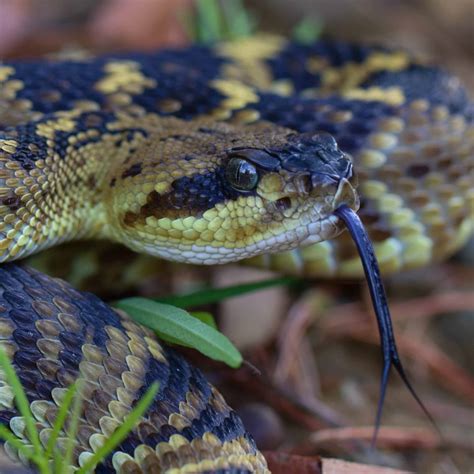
<point x="214" y="295"/>
<point x="178" y="324"/>
<point x="122" y="431"/>
<point x="27" y="451"/>
<point x="217" y="20"/>
<point x="65" y="458"/>
<point x="239" y="23"/>
<point x="208" y="23"/>
<point x="60" y="420"/>
<point x="21" y="401"/>
<point x="307" y="31"/>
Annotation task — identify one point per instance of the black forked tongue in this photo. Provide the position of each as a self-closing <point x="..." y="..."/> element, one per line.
<point x="382" y="313"/>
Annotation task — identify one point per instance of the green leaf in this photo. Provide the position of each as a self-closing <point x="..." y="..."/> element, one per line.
<point x="122" y="431"/>
<point x="205" y="317"/>
<point x="214" y="295"/>
<point x="172" y="322"/>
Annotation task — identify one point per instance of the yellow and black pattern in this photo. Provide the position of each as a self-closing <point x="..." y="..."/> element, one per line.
<point x="408" y="127"/>
<point x="175" y="189"/>
<point x="55" y="335"/>
<point x="210" y="155"/>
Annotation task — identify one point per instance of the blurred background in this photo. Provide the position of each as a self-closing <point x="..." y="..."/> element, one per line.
<point x="316" y="345"/>
<point x="443" y="30"/>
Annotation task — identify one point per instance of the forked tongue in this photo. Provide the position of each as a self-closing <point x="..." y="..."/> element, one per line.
<point x="382" y="312"/>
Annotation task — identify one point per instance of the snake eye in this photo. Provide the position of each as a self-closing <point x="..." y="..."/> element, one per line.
<point x="241" y="174"/>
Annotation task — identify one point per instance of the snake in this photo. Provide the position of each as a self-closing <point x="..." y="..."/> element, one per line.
<point x="240" y="151"/>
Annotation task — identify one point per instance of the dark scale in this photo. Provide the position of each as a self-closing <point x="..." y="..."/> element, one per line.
<point x="155" y="370"/>
<point x="100" y="123"/>
<point x="44" y="389"/>
<point x="177" y="385"/>
<point x="70" y="340"/>
<point x="195" y="96"/>
<point x="227" y="428"/>
<point x="128" y="446"/>
<point x="28" y="139"/>
<point x="70" y="80"/>
<point x="190" y="195"/>
<point x="29" y="379"/>
<point x="25" y="338"/>
<point x="32" y="146"/>
<point x="292" y="61"/>
<point x="25" y="135"/>
<point x="166" y="431"/>
<point x="70" y="359"/>
<point x="104" y="468"/>
<point x="16" y="300"/>
<point x="192" y="62"/>
<point x="24" y="318"/>
<point x="200" y="383"/>
<point x="425" y="82"/>
<point x="6" y="416"/>
<point x="310" y="115"/>
<point x="202" y="424"/>
<point x="181" y="74"/>
<point x="163" y="373"/>
<point x="134" y="170"/>
<point x="26" y="359"/>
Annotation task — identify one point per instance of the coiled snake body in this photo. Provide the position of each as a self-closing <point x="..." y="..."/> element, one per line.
<point x="209" y="155"/>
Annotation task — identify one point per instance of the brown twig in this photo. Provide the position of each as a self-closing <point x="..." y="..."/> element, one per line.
<point x="390" y="437"/>
<point x="448" y="374"/>
<point x="350" y="316"/>
<point x="283" y="463"/>
<point x="310" y="414"/>
<point x="337" y="466"/>
<point x="351" y="320"/>
<point x="300" y="316"/>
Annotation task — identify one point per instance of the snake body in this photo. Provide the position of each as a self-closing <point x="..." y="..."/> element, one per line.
<point x="55" y="334"/>
<point x="210" y="155"/>
<point x="408" y="127"/>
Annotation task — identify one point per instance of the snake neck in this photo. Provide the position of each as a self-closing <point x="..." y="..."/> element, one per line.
<point x="55" y="190"/>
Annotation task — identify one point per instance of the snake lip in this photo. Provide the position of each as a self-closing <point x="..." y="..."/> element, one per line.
<point x="346" y="195"/>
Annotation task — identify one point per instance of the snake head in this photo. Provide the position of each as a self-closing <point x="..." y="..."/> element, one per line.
<point x="191" y="197"/>
<point x="298" y="184"/>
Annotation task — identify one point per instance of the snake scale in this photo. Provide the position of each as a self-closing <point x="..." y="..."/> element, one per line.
<point x="240" y="151"/>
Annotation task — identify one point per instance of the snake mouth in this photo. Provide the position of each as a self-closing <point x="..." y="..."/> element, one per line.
<point x="346" y="195"/>
<point x="325" y="224"/>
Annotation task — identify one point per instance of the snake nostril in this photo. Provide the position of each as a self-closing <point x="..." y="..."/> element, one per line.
<point x="283" y="204"/>
<point x="346" y="194"/>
